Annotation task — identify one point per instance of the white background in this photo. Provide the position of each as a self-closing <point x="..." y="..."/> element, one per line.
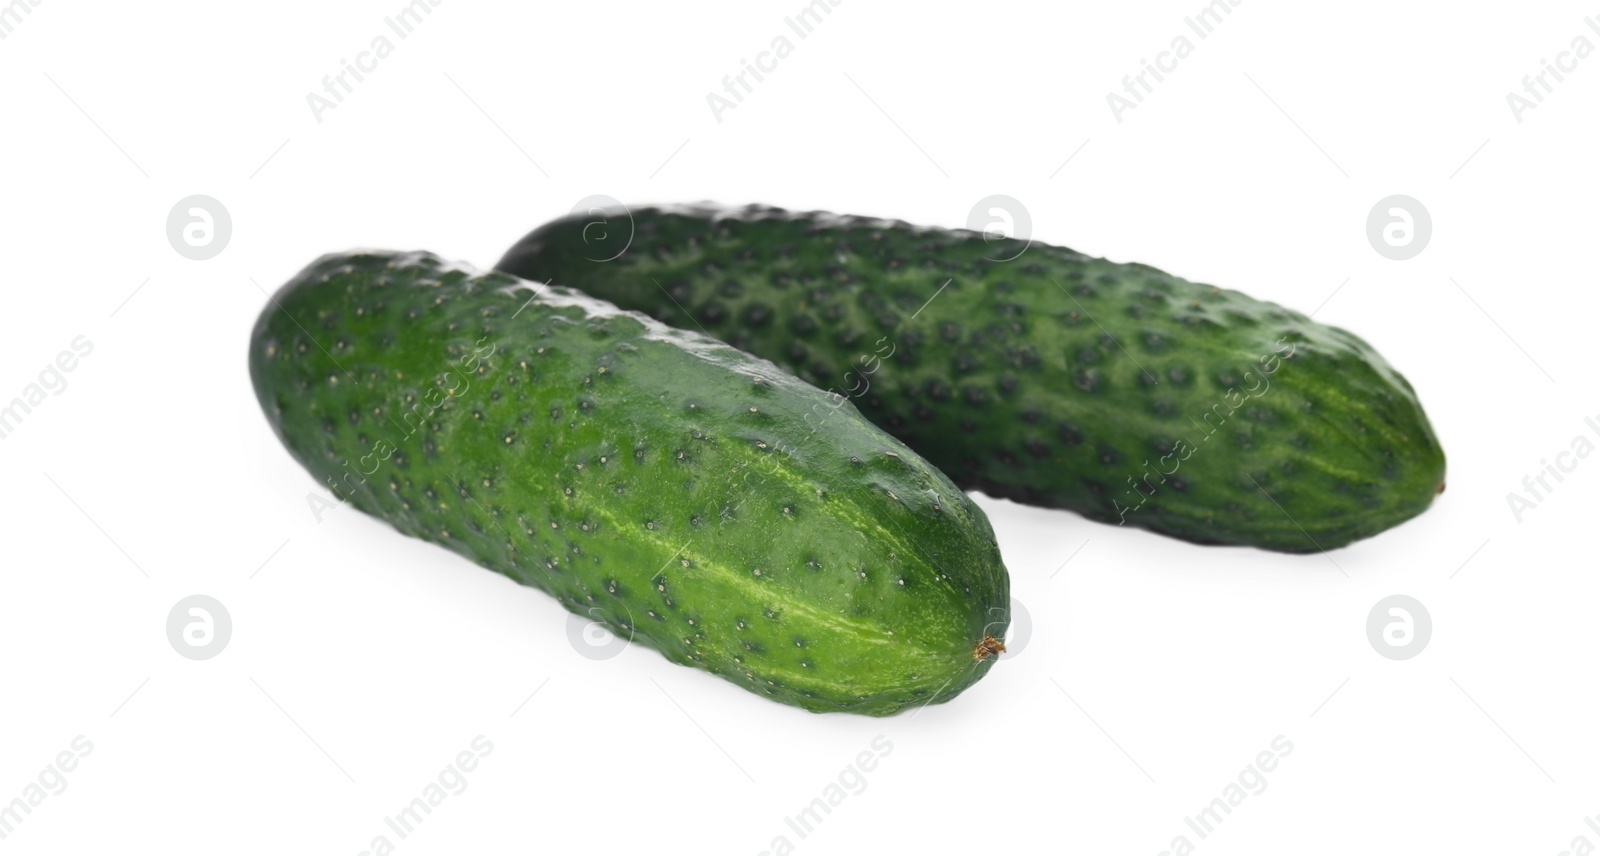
<point x="362" y="662"/>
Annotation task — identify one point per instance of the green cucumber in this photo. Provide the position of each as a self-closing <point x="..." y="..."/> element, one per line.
<point x="1037" y="373"/>
<point x="691" y="497"/>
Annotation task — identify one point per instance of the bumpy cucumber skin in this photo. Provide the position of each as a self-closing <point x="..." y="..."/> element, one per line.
<point x="1037" y="373"/>
<point x="691" y="497"/>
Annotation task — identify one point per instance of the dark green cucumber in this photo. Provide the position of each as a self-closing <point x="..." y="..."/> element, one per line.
<point x="1036" y="373"/>
<point x="692" y="497"/>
